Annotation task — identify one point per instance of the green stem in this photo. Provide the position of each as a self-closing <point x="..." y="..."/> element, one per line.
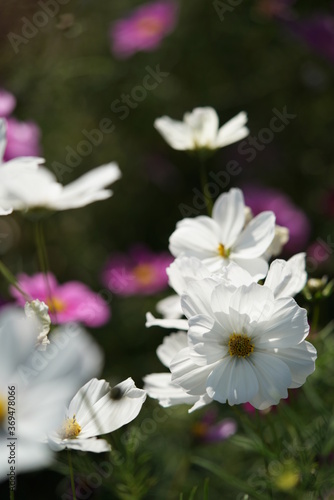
<point x="71" y="474"/>
<point x="6" y="273"/>
<point x="44" y="262"/>
<point x="316" y="315"/>
<point x="11" y="494"/>
<point x="204" y="183"/>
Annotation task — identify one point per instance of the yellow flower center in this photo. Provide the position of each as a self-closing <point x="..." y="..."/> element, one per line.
<point x="240" y="345"/>
<point x="55" y="305"/>
<point x="144" y="273"/>
<point x="223" y="252"/>
<point x="3" y="409"/>
<point x="149" y="26"/>
<point x="70" y="429"/>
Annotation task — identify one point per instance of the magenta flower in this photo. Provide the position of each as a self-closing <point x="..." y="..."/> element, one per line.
<point x="144" y="29"/>
<point x="140" y="272"/>
<point x="7" y="103"/>
<point x="318" y="33"/>
<point x="22" y="139"/>
<point x="287" y="214"/>
<point x="71" y="301"/>
<point x="208" y="430"/>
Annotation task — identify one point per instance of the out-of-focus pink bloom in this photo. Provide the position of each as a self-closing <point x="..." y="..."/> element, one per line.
<point x="318" y="32"/>
<point x="275" y="8"/>
<point x="140" y="272"/>
<point x="208" y="430"/>
<point x="22" y="139"/>
<point x="318" y="253"/>
<point x="71" y="301"/>
<point x="144" y="29"/>
<point x="7" y="103"/>
<point x="287" y="214"/>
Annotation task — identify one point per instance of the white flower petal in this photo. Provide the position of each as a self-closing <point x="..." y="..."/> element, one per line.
<point x="198" y="297"/>
<point x="233" y="381"/>
<point x="256" y="237"/>
<point x="197" y="237"/>
<point x="110" y="414"/>
<point x="170" y="346"/>
<point x="286" y="327"/>
<point x="177" y="134"/>
<point x="178" y="324"/>
<point x="232" y="131"/>
<point x="287" y="278"/>
<point x="274" y="378"/>
<point x="300" y="360"/>
<point x="203" y="123"/>
<point x="160" y="386"/>
<point x="229" y="213"/>
<point x="170" y="307"/>
<point x="191" y="377"/>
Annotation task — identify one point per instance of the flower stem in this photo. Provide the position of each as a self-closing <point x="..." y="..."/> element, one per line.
<point x="6" y="273"/>
<point x="11" y="494"/>
<point x="316" y="315"/>
<point x="44" y="262"/>
<point x="71" y="474"/>
<point x="204" y="183"/>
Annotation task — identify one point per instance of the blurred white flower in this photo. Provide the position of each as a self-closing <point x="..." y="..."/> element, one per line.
<point x="40" y="311"/>
<point x="200" y="130"/>
<point x="93" y="411"/>
<point x="27" y="185"/>
<point x="43" y="382"/>
<point x="244" y="345"/>
<point x="224" y="238"/>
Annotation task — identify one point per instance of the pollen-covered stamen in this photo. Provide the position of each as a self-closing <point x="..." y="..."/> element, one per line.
<point x="223" y="252"/>
<point x="240" y="345"/>
<point x="70" y="429"/>
<point x="3" y="409"/>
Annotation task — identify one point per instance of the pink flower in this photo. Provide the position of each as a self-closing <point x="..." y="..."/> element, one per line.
<point x="71" y="301"/>
<point x="260" y="198"/>
<point x="209" y="430"/>
<point x="141" y="272"/>
<point x="144" y="29"/>
<point x="7" y="103"/>
<point x="22" y="139"/>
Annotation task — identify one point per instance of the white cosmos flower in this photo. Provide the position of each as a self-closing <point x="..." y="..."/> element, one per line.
<point x="25" y="184"/>
<point x="243" y="345"/>
<point x="43" y="380"/>
<point x="200" y="130"/>
<point x="160" y="386"/>
<point x="93" y="411"/>
<point x="224" y="238"/>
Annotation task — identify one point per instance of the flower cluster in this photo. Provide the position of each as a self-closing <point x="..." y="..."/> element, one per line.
<point x="241" y="334"/>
